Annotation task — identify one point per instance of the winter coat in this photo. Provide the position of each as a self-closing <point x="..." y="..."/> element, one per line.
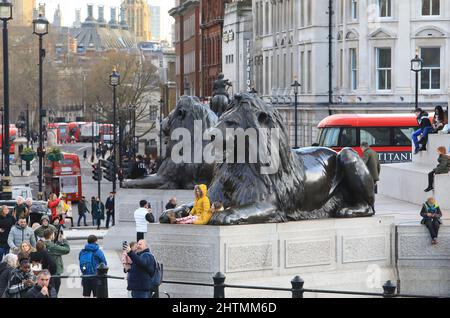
<point x="423" y="120"/>
<point x="436" y="210"/>
<point x="98" y="210"/>
<point x="45" y="259"/>
<point x="17" y="235"/>
<point x="52" y="206"/>
<point x="39" y="232"/>
<point x="5" y="275"/>
<point x="109" y="205"/>
<point x="21" y="211"/>
<point x="202" y="207"/>
<point x="99" y="256"/>
<point x="35" y="292"/>
<point x="142" y="270"/>
<point x="56" y="251"/>
<point x="82" y="207"/>
<point x="17" y="289"/>
<point x="370" y="158"/>
<point x="6" y="223"/>
<point x="444" y="164"/>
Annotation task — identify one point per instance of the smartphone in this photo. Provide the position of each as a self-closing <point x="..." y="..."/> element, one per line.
<point x="124" y="244"/>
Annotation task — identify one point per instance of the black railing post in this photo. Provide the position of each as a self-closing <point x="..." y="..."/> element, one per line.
<point x="297" y="287"/>
<point x="389" y="289"/>
<point x="102" y="281"/>
<point x="219" y="285"/>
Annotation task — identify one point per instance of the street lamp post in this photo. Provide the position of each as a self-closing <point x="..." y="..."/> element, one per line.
<point x="6" y="8"/>
<point x="417" y="67"/>
<point x="296" y="85"/>
<point x="40" y="28"/>
<point x="114" y="81"/>
<point x="161" y="105"/>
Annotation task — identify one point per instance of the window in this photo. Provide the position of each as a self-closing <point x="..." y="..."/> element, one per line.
<point x="309" y="12"/>
<point x="384" y="69"/>
<point x="431" y="74"/>
<point x="309" y="75"/>
<point x="266" y="77"/>
<point x="267" y="18"/>
<point x="430" y="7"/>
<point x="354" y="9"/>
<point x="302" y="11"/>
<point x="384" y="8"/>
<point x="347" y="137"/>
<point x="402" y="136"/>
<point x="353" y="69"/>
<point x="341" y="68"/>
<point x="284" y="70"/>
<point x="302" y="72"/>
<point x="379" y="136"/>
<point x="330" y="137"/>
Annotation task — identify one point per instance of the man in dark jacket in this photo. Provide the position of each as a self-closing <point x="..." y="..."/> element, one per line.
<point x="42" y="257"/>
<point x="45" y="224"/>
<point x="370" y="158"/>
<point x="56" y="251"/>
<point x="82" y="209"/>
<point x="42" y="289"/>
<point x="141" y="272"/>
<point x="22" y="280"/>
<point x="98" y="211"/>
<point x="109" y="205"/>
<point x="424" y="128"/>
<point x="6" y="223"/>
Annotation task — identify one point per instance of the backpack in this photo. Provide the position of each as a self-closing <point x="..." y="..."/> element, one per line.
<point x="157" y="276"/>
<point x="87" y="262"/>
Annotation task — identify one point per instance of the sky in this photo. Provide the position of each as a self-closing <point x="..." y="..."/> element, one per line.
<point x="68" y="10"/>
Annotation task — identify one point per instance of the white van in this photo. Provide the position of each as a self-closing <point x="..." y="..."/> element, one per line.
<point x="23" y="191"/>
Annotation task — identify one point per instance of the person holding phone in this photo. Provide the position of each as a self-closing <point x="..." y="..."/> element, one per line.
<point x="22" y="279"/>
<point x="141" y="217"/>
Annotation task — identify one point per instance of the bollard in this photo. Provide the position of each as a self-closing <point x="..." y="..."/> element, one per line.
<point x="297" y="287"/>
<point x="219" y="285"/>
<point x="102" y="281"/>
<point x="389" y="289"/>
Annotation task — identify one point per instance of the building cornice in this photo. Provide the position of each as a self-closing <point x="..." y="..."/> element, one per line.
<point x="181" y="9"/>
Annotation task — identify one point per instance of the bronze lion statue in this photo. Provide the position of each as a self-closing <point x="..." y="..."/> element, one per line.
<point x="187" y="174"/>
<point x="309" y="183"/>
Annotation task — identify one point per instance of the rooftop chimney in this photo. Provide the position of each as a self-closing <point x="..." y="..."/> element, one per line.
<point x="113" y="23"/>
<point x="90" y="21"/>
<point x="101" y="15"/>
<point x="123" y="19"/>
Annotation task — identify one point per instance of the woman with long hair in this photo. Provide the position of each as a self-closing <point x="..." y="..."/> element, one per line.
<point x="442" y="168"/>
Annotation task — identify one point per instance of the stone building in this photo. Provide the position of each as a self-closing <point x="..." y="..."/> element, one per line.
<point x="365" y="67"/>
<point x="138" y="17"/>
<point x="237" y="45"/>
<point x="23" y="11"/>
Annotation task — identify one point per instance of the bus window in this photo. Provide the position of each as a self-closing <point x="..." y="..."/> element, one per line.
<point x="69" y="185"/>
<point x="402" y="136"/>
<point x="379" y="136"/>
<point x="330" y="137"/>
<point x="348" y="137"/>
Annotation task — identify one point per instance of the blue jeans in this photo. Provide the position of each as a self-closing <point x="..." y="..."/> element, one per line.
<point x="3" y="251"/>
<point x="80" y="217"/>
<point x="418" y="133"/>
<point x="140" y="294"/>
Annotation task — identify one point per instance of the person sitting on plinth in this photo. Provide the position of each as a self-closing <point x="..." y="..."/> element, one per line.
<point x="201" y="212"/>
<point x="431" y="214"/>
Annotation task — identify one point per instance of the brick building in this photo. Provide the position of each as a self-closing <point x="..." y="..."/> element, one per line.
<point x="212" y="23"/>
<point x="187" y="46"/>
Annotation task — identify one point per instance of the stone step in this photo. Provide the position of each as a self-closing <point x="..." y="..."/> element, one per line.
<point x="406" y="182"/>
<point x="429" y="157"/>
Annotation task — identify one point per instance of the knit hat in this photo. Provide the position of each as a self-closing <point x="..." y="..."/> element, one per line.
<point x="45" y="217"/>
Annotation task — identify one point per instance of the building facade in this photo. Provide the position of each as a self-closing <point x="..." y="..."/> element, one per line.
<point x="23" y="11"/>
<point x="138" y="17"/>
<point x="155" y="22"/>
<point x="187" y="47"/>
<point x="212" y="13"/>
<point x="364" y="68"/>
<point x="237" y="45"/>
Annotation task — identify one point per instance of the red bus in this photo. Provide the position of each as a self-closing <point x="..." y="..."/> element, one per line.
<point x="74" y="129"/>
<point x="12" y="137"/>
<point x="64" y="177"/>
<point x="388" y="134"/>
<point x="62" y="131"/>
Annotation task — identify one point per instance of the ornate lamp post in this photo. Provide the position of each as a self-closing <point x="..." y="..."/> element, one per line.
<point x="161" y="105"/>
<point x="114" y="81"/>
<point x="40" y="28"/>
<point x="6" y="8"/>
<point x="417" y="67"/>
<point x="296" y="85"/>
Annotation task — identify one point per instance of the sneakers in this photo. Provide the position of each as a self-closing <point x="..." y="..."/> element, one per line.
<point x="416" y="151"/>
<point x="434" y="242"/>
<point x="428" y="189"/>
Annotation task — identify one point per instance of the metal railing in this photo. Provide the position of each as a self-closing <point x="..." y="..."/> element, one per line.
<point x="297" y="290"/>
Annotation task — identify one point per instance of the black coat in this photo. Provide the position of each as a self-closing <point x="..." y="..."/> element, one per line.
<point x="109" y="204"/>
<point x="6" y="223"/>
<point x="5" y="275"/>
<point x="45" y="259"/>
<point x="82" y="207"/>
<point x="423" y="120"/>
<point x="437" y="216"/>
<point x="35" y="292"/>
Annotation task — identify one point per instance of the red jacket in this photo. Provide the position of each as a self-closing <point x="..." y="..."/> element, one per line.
<point x="52" y="205"/>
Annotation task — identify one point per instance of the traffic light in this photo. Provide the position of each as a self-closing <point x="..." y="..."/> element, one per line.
<point x="108" y="167"/>
<point x="96" y="173"/>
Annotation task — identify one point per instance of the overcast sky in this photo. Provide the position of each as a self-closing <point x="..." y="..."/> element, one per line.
<point x="68" y="9"/>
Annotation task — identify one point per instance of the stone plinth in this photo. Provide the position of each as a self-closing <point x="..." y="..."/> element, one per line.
<point x="345" y="254"/>
<point x="423" y="268"/>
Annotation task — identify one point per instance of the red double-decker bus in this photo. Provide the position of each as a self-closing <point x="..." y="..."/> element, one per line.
<point x="12" y="137"/>
<point x="388" y="134"/>
<point x="64" y="177"/>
